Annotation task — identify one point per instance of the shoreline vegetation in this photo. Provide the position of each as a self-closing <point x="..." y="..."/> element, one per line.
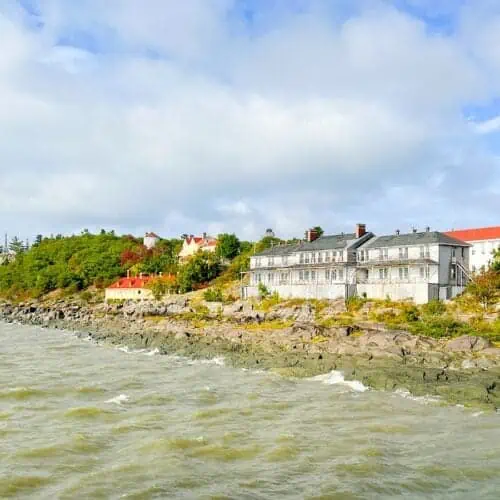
<point x="450" y="350"/>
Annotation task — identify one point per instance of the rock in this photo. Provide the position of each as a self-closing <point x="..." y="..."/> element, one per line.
<point x="468" y="364"/>
<point x="467" y="343"/>
<point x="305" y="314"/>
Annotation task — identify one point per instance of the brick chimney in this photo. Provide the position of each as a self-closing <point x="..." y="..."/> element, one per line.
<point x="311" y="235"/>
<point x="360" y="230"/>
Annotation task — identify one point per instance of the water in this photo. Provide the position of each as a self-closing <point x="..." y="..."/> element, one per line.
<point x="84" y="421"/>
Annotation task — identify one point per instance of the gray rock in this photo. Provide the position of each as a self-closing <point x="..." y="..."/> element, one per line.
<point x="467" y="343"/>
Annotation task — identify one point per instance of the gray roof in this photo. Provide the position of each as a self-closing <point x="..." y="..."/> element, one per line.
<point x="332" y="242"/>
<point x="425" y="238"/>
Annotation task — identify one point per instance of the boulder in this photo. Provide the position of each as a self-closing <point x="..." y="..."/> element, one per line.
<point x="467" y="343"/>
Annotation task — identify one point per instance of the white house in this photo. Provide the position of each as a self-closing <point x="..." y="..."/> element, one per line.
<point x="416" y="266"/>
<point x="419" y="266"/>
<point x="192" y="244"/>
<point x="150" y="240"/>
<point x="319" y="267"/>
<point x="485" y="241"/>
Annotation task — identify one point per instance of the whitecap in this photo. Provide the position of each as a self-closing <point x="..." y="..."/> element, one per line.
<point x="118" y="400"/>
<point x="214" y="361"/>
<point x="406" y="394"/>
<point x="153" y="352"/>
<point x="337" y="378"/>
<point x="477" y="414"/>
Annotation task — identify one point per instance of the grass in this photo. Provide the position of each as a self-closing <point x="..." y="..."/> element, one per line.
<point x="268" y="325"/>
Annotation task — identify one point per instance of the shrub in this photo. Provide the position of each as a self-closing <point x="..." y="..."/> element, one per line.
<point x="410" y="313"/>
<point x="434" y="307"/>
<point x="271" y="301"/>
<point x="213" y="295"/>
<point x="354" y="303"/>
<point x="263" y="290"/>
<point x="485" y="287"/>
<point x="86" y="296"/>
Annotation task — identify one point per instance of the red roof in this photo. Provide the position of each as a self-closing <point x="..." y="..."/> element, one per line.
<point x="131" y="282"/>
<point x="482" y="233"/>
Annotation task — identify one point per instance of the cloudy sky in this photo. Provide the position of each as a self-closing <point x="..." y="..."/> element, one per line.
<point x="237" y="115"/>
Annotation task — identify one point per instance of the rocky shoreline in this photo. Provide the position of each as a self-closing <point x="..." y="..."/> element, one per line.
<point x="286" y="340"/>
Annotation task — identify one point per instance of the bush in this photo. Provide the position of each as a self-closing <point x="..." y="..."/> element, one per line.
<point x="263" y="291"/>
<point x="441" y="326"/>
<point x="435" y="307"/>
<point x="410" y="313"/>
<point x="354" y="303"/>
<point x="213" y="295"/>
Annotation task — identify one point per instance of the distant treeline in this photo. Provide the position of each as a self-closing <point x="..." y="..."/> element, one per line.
<point x="74" y="263"/>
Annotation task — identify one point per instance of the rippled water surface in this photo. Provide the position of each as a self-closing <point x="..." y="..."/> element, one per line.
<point x="84" y="421"/>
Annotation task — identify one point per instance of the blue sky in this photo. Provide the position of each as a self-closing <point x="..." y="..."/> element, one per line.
<point x="237" y="115"/>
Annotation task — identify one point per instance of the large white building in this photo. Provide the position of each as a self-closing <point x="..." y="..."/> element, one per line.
<point x="417" y="266"/>
<point x="485" y="241"/>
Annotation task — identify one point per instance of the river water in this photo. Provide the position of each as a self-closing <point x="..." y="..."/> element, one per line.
<point x="79" y="420"/>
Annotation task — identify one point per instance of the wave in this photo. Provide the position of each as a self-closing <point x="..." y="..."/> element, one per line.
<point x="337" y="378"/>
<point x="146" y="352"/>
<point x="118" y="400"/>
<point x="406" y="394"/>
<point x="219" y="361"/>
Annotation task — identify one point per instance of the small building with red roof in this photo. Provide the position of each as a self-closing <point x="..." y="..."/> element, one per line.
<point x="484" y="240"/>
<point x="129" y="289"/>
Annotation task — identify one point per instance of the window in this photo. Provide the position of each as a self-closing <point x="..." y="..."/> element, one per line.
<point x="284" y="260"/>
<point x="403" y="253"/>
<point x="283" y="278"/>
<point x="327" y="275"/>
<point x="454" y="252"/>
<point x="301" y="275"/>
<point x="320" y="257"/>
<point x="258" y="262"/>
<point x="463" y="252"/>
<point x="270" y="261"/>
<point x="341" y="274"/>
<point x="313" y="258"/>
<point x="327" y="256"/>
<point x="307" y="257"/>
<point x="383" y="253"/>
<point x="483" y="250"/>
<point x="259" y="278"/>
<point x="473" y="251"/>
<point x="453" y="272"/>
<point x="422" y="272"/>
<point x="403" y="273"/>
<point x="313" y="275"/>
<point x="306" y="275"/>
<point x="382" y="273"/>
<point x="270" y="277"/>
<point x="334" y="275"/>
<point x="301" y="258"/>
<point x="334" y="255"/>
<point x="361" y="256"/>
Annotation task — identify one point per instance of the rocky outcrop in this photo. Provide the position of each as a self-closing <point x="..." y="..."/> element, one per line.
<point x="463" y="370"/>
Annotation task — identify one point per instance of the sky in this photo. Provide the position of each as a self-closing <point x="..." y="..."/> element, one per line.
<point x="240" y="115"/>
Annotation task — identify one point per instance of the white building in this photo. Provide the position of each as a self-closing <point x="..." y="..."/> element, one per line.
<point x="322" y="267"/>
<point x="150" y="240"/>
<point x="193" y="244"/>
<point x="485" y="241"/>
<point x="416" y="266"/>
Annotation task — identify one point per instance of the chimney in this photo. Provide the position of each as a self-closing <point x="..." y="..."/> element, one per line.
<point x="397" y="232"/>
<point x="204" y="236"/>
<point x="360" y="230"/>
<point x="311" y="235"/>
<point x="427" y="229"/>
<point x="414" y="229"/>
<point x="128" y="273"/>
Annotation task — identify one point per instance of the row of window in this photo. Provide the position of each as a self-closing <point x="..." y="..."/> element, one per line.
<point x="304" y="276"/>
<point x="403" y="273"/>
<point x="383" y="253"/>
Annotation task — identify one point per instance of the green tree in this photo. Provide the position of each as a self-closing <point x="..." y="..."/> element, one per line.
<point x="16" y="245"/>
<point x="228" y="246"/>
<point x="197" y="271"/>
<point x="485" y="287"/>
<point x="319" y="230"/>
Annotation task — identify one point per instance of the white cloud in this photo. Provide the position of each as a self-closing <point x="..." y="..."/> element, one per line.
<point x="310" y="122"/>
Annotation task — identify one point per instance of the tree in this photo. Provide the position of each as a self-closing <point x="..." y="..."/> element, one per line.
<point x="16" y="245"/>
<point x="228" y="246"/>
<point x="485" y="287"/>
<point x="319" y="230"/>
<point x="38" y="240"/>
<point x="496" y="261"/>
<point x="199" y="270"/>
<point x="161" y="285"/>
